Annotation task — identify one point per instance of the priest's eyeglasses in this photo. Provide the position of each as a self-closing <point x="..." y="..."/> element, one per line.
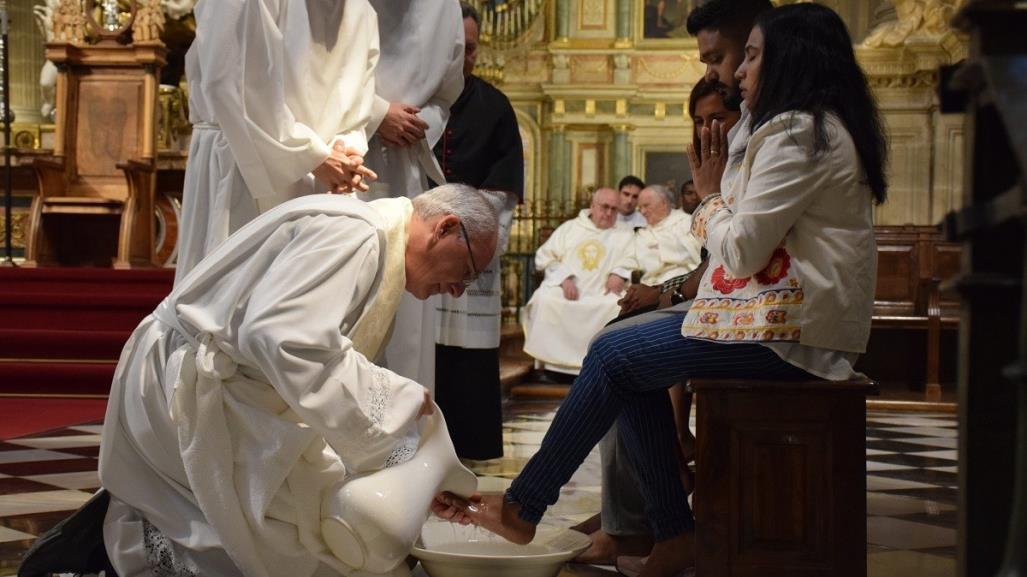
<point x="470" y="256"/>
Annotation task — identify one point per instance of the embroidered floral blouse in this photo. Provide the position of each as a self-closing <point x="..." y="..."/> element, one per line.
<point x="793" y="261"/>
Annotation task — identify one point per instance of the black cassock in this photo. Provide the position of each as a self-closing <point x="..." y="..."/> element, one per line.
<point x="480" y="147"/>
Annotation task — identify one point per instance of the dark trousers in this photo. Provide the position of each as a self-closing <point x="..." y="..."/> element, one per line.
<point x="624" y="379"/>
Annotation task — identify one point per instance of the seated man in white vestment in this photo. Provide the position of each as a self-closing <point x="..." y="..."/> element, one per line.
<point x="581" y="287"/>
<point x="252" y="390"/>
<point x="665" y="248"/>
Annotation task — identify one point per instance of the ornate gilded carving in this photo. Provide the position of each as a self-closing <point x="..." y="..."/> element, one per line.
<point x="928" y="18"/>
<point x="921" y="79"/>
<point x="69" y="22"/>
<point x="19" y="224"/>
<point x="148" y="25"/>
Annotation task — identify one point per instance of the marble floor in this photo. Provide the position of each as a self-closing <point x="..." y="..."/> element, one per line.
<point x="911" y="487"/>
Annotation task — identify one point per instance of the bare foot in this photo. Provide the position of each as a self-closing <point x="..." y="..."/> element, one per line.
<point x="490" y="512"/>
<point x="590" y="525"/>
<point x="669" y="558"/>
<point x="606" y="548"/>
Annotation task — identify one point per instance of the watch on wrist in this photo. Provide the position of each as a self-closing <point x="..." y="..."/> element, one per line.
<point x="676" y="297"/>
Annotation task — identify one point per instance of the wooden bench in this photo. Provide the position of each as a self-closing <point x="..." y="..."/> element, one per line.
<point x="781" y="478"/>
<point x="912" y="264"/>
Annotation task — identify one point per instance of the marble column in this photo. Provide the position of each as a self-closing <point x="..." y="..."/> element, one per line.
<point x="26" y="60"/>
<point x="621" y="153"/>
<point x="624" y="21"/>
<point x="559" y="165"/>
<point x="563" y="20"/>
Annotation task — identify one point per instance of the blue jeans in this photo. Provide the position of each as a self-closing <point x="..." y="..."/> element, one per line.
<point x="624" y="379"/>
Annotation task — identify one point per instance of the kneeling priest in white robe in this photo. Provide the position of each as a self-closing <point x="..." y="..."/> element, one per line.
<point x="665" y="248"/>
<point x="581" y="287"/>
<point x="251" y="391"/>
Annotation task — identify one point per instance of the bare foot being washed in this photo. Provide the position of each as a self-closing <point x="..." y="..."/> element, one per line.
<point x="490" y="512"/>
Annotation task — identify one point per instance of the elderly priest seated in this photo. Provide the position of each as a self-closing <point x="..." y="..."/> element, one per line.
<point x="665" y="248"/>
<point x="252" y="389"/>
<point x="581" y="287"/>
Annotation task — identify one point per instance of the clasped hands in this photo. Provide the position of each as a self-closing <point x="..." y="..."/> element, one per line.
<point x="708" y="163"/>
<point x="344" y="170"/>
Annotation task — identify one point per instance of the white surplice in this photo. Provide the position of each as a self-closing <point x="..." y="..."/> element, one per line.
<point x="250" y="392"/>
<point x="665" y="250"/>
<point x="557" y="331"/>
<point x="273" y="84"/>
<point x="631" y="221"/>
<point x="421" y="64"/>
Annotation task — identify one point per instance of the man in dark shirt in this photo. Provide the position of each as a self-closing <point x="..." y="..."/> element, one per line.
<point x="480" y="147"/>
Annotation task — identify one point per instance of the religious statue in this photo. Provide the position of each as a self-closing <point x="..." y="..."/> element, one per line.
<point x="149" y="22"/>
<point x="44" y="14"/>
<point x="69" y="23"/>
<point x="914" y="18"/>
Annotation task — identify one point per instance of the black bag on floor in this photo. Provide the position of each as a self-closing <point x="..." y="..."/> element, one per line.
<point x="75" y="545"/>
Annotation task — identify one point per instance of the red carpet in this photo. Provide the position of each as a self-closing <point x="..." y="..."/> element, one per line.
<point x="30" y="415"/>
<point x="62" y="329"/>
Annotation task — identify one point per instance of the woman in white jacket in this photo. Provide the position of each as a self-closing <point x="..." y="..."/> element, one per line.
<point x="786" y="216"/>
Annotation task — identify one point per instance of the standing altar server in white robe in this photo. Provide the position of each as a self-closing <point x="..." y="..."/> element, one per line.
<point x="582" y="285"/>
<point x="280" y="97"/>
<point x="665" y="248"/>
<point x="419" y="77"/>
<point x="250" y="392"/>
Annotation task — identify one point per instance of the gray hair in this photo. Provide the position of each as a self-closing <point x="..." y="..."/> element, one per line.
<point x="603" y="189"/>
<point x="466" y="203"/>
<point x="663" y="191"/>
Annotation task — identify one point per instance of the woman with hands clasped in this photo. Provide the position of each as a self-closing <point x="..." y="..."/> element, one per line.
<point x="786" y="215"/>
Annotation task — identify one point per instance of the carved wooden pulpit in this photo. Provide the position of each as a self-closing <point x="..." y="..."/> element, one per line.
<point x="94" y="201"/>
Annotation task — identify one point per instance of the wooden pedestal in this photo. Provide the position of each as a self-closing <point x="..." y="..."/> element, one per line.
<point x="781" y="478"/>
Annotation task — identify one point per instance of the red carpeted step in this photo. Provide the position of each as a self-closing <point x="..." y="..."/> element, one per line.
<point x="79" y="311"/>
<point x="44" y="378"/>
<point x="87" y="280"/>
<point x="20" y="344"/>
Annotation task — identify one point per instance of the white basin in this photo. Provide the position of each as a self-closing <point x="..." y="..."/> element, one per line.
<point x="450" y="550"/>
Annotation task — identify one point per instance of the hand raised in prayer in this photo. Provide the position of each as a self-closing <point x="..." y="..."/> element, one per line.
<point x="638" y="296"/>
<point x="614" y="284"/>
<point x="401" y="125"/>
<point x="427" y="407"/>
<point x="709" y="161"/>
<point x="570" y="289"/>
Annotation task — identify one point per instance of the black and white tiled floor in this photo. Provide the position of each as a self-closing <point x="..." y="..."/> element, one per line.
<point x="911" y="486"/>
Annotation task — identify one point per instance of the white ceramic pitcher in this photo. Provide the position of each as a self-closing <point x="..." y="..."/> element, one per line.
<point x="372" y="521"/>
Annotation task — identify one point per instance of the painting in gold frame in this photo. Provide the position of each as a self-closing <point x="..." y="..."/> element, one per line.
<point x="663" y="21"/>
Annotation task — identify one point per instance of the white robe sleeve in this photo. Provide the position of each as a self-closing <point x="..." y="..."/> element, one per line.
<point x="435" y="112"/>
<point x="783" y="182"/>
<point x="291" y="332"/>
<point x="550" y="256"/>
<point x="242" y="53"/>
<point x="629" y="259"/>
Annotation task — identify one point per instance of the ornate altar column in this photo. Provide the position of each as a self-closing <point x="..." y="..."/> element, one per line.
<point x="27" y="59"/>
<point x="620" y="162"/>
<point x="563" y="21"/>
<point x="623" y="23"/>
<point x="559" y="166"/>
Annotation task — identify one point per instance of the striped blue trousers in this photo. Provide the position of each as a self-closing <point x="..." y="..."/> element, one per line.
<point x="624" y="379"/>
